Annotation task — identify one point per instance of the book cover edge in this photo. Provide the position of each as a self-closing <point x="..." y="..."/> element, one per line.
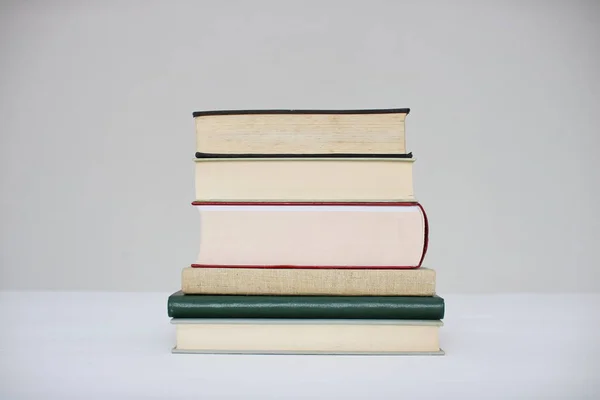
<point x="321" y="156"/>
<point x="196" y="114"/>
<point x="308" y="321"/>
<point x="440" y="352"/>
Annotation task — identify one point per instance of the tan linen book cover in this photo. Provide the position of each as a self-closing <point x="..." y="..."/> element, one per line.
<point x="268" y="281"/>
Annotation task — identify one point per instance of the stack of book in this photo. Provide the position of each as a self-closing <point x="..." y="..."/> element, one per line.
<point x="311" y="239"/>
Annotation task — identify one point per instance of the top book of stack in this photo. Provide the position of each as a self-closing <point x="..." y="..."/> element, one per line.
<point x="303" y="156"/>
<point x="308" y="133"/>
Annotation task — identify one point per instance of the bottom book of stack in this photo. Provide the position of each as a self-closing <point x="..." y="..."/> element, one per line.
<point x="306" y="324"/>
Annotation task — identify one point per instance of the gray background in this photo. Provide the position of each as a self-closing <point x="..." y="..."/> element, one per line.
<point x="97" y="137"/>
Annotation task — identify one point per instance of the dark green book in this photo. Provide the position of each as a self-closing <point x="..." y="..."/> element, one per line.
<point x="313" y="307"/>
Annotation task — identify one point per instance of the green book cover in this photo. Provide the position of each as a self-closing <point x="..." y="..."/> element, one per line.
<point x="316" y="307"/>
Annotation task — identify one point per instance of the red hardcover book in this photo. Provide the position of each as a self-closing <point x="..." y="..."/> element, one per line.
<point x="335" y="235"/>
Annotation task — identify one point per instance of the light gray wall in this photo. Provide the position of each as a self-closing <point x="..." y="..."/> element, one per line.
<point x="98" y="140"/>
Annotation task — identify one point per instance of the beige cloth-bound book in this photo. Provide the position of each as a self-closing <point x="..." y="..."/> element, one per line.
<point x="335" y="282"/>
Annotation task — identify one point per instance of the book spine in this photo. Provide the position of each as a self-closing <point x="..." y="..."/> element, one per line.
<point x="307" y="307"/>
<point x="300" y="281"/>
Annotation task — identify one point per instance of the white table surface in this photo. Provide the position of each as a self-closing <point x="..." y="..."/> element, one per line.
<point x="117" y="345"/>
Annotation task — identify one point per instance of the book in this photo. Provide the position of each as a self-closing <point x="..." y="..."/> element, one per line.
<point x="304" y="179"/>
<point x="378" y="131"/>
<point x="302" y="282"/>
<point x="180" y="305"/>
<point x="312" y="235"/>
<point x="273" y="336"/>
